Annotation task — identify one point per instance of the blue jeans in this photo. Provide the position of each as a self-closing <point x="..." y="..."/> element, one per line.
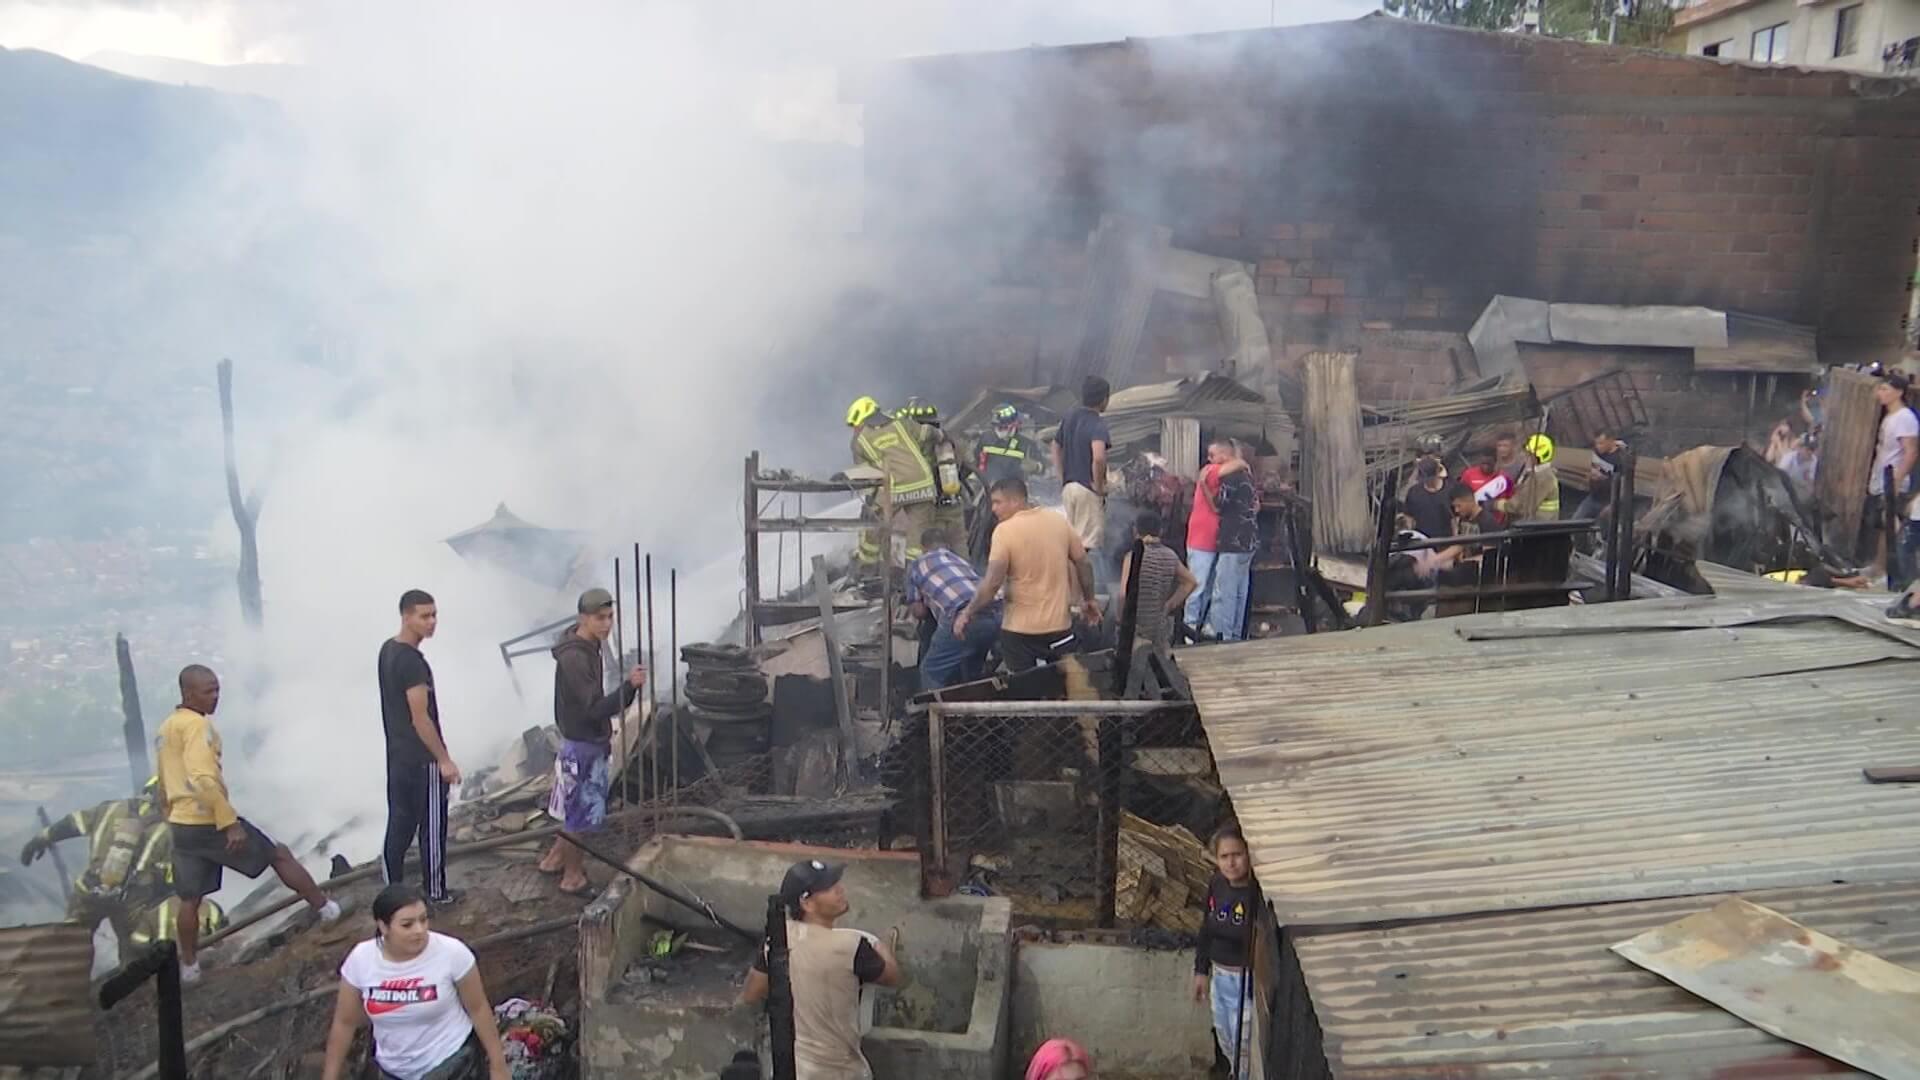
<point x="1201" y="563"/>
<point x="1231" y="571"/>
<point x="959" y="659"/>
<point x="1225" y="994"/>
<point x="1905" y="566"/>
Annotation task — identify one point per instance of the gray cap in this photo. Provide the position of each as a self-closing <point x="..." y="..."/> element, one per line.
<point x="595" y="600"/>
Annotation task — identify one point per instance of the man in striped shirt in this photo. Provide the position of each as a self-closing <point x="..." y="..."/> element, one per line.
<point x="941" y="583"/>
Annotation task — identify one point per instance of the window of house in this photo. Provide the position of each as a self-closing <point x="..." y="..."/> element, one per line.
<point x="1716" y="49"/>
<point x="1770" y="45"/>
<point x="1846" y="31"/>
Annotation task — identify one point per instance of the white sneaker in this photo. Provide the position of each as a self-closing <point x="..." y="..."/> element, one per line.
<point x="330" y="911"/>
<point x="190" y="973"/>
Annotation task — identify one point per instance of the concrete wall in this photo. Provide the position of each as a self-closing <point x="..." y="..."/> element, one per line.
<point x="1131" y="1007"/>
<point x="955" y="954"/>
<point x="1388" y="179"/>
<point x="1812" y="30"/>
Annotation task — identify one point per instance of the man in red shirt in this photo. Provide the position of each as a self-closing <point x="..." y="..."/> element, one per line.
<point x="1203" y="528"/>
<point x="1482" y="472"/>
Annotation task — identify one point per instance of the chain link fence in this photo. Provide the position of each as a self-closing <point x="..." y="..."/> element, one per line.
<point x="1080" y="819"/>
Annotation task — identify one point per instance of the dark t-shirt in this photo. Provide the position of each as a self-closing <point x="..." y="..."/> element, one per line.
<point x="1076" y="438"/>
<point x="867" y="964"/>
<point x="403" y="667"/>
<point x="1225" y="925"/>
<point x="1239" y="511"/>
<point x="1432" y="511"/>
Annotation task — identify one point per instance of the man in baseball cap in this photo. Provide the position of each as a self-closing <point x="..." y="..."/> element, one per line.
<point x="584" y="716"/>
<point x="829" y="968"/>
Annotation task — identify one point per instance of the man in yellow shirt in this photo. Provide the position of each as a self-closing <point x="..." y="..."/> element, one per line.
<point x="208" y="833"/>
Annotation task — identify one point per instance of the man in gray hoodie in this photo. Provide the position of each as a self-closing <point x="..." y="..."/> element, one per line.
<point x="584" y="713"/>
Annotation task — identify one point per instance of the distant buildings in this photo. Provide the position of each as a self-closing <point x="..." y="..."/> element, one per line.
<point x="1877" y="36"/>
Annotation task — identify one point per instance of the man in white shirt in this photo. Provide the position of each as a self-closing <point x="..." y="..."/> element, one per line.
<point x="1898" y="448"/>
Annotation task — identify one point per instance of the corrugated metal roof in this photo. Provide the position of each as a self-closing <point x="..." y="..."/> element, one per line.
<point x="1539" y="994"/>
<point x="1567" y="755"/>
<point x="45" y="996"/>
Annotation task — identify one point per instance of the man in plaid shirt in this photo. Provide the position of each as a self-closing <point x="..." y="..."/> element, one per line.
<point x="941" y="583"/>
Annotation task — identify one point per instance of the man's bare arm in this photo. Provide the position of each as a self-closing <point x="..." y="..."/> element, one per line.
<point x="423" y="727"/>
<point x="1909" y="453"/>
<point x="756" y="988"/>
<point x="1184" y="585"/>
<point x="1100" y="468"/>
<point x="984" y="595"/>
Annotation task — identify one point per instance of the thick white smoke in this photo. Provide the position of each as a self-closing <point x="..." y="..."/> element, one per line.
<point x="554" y="255"/>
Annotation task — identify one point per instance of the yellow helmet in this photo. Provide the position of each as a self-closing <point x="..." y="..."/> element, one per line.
<point x="1541" y="448"/>
<point x="861" y="409"/>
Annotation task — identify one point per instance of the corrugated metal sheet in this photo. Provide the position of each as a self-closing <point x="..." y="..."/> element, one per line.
<point x="1566" y="755"/>
<point x="1790" y="979"/>
<point x="1541" y="995"/>
<point x="45" y="996"/>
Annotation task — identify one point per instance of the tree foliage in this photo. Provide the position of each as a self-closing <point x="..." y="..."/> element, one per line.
<point x="1476" y="14"/>
<point x="1633" y="22"/>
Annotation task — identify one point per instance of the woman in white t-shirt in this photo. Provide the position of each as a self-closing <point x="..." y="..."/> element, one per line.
<point x="422" y="993"/>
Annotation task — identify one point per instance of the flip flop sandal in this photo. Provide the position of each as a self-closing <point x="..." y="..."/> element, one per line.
<point x="585" y="892"/>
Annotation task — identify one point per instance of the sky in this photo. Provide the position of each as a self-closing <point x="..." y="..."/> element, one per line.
<point x="265" y="31"/>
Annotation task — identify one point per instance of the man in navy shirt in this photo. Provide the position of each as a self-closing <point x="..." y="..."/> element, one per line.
<point x="1080" y="458"/>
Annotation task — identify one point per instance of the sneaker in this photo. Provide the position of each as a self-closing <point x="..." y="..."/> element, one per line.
<point x="189" y="973"/>
<point x="330" y="911"/>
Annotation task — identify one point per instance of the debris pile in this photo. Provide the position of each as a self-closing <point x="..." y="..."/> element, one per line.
<point x="1162" y="878"/>
<point x="729" y="699"/>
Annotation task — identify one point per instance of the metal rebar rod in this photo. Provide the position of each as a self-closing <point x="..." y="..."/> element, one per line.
<point x="693" y="904"/>
<point x="653" y="704"/>
<point x="619" y="649"/>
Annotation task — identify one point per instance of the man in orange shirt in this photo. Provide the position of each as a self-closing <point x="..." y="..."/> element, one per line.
<point x="208" y="833"/>
<point x="1038" y="557"/>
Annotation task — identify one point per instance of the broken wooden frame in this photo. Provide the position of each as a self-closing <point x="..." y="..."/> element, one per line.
<point x="973" y="743"/>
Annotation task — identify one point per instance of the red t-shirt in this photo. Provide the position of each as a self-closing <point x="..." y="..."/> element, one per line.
<point x="1203" y="523"/>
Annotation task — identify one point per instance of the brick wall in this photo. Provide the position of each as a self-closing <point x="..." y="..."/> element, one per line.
<point x="1388" y="178"/>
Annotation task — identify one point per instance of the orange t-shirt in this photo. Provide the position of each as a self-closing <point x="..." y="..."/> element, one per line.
<point x="1039" y="548"/>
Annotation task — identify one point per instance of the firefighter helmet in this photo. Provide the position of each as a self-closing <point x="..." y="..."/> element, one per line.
<point x="916" y="409"/>
<point x="861" y="411"/>
<point x="1541" y="447"/>
<point x="1006" y="415"/>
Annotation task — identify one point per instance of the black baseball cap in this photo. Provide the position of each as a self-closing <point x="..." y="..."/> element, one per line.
<point x="806" y="878"/>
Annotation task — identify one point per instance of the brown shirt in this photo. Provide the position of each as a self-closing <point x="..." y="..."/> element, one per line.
<point x="1038" y="546"/>
<point x="826" y="1001"/>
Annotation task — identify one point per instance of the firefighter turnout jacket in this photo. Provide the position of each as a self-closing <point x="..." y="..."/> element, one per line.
<point x="1002" y="457"/>
<point x="895" y="447"/>
<point x="129" y="850"/>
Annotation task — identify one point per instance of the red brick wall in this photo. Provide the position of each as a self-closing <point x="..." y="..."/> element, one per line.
<point x="1387" y="177"/>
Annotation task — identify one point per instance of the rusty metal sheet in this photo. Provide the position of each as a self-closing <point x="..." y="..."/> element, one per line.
<point x="45" y="996"/>
<point x="1539" y="994"/>
<point x="1792" y="981"/>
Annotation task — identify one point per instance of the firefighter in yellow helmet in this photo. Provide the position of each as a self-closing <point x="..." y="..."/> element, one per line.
<point x="897" y="447"/>
<point x="129" y="859"/>
<point x="1537" y="495"/>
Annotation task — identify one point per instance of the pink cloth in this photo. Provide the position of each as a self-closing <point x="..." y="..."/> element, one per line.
<point x="1052" y="1055"/>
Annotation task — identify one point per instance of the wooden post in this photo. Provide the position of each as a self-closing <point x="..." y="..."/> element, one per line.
<point x="1851" y="425"/>
<point x="246" y="511"/>
<point x="836" y="668"/>
<point x="1106" y="863"/>
<point x="752" y="567"/>
<point x="134" y="728"/>
<point x="937" y="785"/>
<point x="1335" y="465"/>
<point x="1377" y="561"/>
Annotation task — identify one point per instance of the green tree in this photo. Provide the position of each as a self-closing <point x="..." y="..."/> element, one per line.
<point x="1630" y="22"/>
<point x="1478" y="14"/>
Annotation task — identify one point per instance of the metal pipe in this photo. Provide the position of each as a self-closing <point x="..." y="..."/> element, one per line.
<point x="1094" y="707"/>
<point x="619" y="647"/>
<point x="700" y="907"/>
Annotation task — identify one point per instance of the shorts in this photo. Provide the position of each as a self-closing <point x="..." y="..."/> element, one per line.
<point x="580" y="785"/>
<point x="1087" y="513"/>
<point x="1023" y="652"/>
<point x="200" y="851"/>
